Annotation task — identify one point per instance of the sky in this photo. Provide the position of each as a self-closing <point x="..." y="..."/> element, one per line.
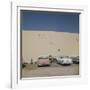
<point x="49" y="21"/>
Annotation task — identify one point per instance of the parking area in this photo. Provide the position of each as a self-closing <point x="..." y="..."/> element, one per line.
<point x="53" y="70"/>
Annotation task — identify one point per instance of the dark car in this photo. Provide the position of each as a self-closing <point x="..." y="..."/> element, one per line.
<point x="75" y="60"/>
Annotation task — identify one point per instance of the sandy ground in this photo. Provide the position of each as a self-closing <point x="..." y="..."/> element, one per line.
<point x="45" y="43"/>
<point x="53" y="70"/>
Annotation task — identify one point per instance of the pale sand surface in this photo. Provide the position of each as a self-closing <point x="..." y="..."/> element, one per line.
<point x="44" y="43"/>
<point x="53" y="70"/>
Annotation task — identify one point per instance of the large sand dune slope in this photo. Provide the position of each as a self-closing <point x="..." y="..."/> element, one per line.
<point x="43" y="43"/>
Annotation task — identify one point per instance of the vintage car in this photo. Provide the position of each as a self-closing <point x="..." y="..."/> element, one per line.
<point x="75" y="60"/>
<point x="64" y="61"/>
<point x="43" y="62"/>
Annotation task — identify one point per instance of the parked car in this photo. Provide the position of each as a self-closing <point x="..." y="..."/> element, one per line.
<point x="64" y="61"/>
<point x="75" y="60"/>
<point x="43" y="62"/>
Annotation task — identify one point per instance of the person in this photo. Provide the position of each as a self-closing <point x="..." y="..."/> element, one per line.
<point x="50" y="58"/>
<point x="31" y="61"/>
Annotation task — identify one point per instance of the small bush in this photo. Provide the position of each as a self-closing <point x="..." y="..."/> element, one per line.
<point x="23" y="65"/>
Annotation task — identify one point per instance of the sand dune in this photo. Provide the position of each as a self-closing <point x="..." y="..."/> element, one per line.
<point x="43" y="43"/>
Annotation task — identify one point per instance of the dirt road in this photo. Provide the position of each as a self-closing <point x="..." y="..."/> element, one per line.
<point x="53" y="70"/>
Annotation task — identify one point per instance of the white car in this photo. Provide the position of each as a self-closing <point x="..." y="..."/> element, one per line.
<point x="64" y="61"/>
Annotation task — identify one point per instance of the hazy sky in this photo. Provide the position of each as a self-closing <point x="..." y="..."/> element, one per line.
<point x="49" y="21"/>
